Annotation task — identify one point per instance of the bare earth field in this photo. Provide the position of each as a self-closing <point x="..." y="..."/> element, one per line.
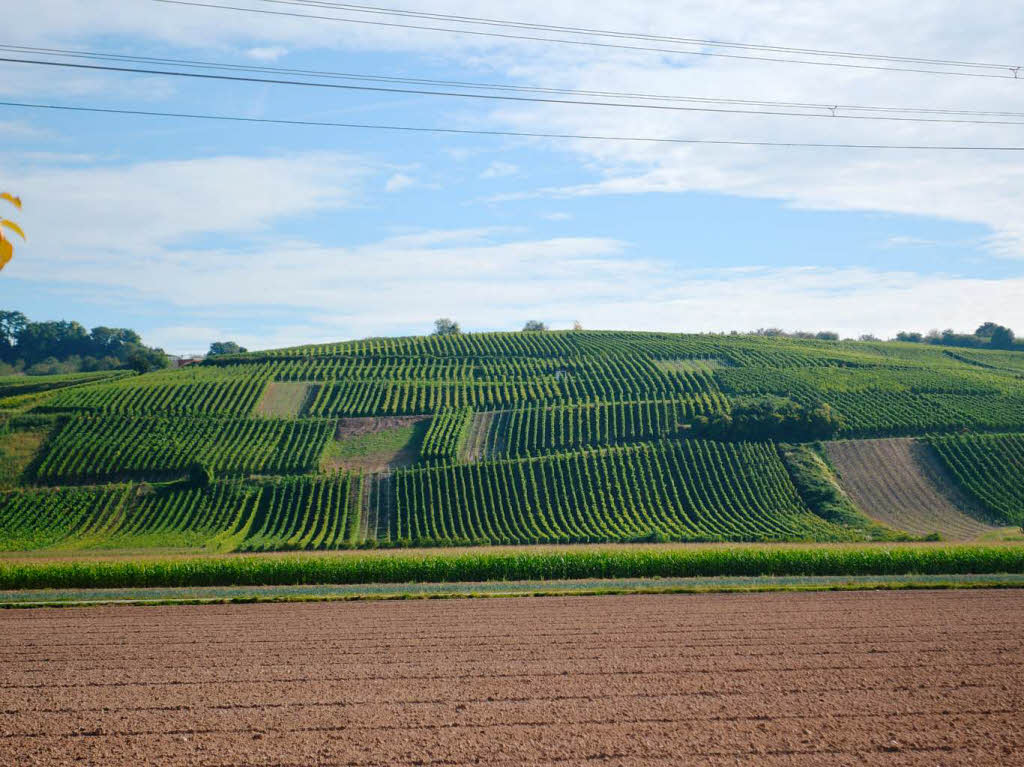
<point x="924" y="678"/>
<point x="900" y="483"/>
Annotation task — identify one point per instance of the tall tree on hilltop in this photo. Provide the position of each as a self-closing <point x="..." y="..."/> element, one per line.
<point x="446" y="327"/>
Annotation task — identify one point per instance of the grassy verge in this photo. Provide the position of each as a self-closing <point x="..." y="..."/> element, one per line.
<point x="244" y="594"/>
<point x="819" y="489"/>
<point x="517" y="566"/>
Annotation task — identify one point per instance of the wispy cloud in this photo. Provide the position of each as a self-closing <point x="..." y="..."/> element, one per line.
<point x="398" y="182"/>
<point x="269" y="53"/>
<point x="499" y="169"/>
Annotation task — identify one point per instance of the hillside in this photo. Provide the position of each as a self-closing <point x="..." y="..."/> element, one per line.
<point x="503" y="438"/>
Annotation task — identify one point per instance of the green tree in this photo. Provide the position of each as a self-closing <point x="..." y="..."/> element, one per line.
<point x="199" y="474"/>
<point x="11" y="325"/>
<point x="226" y="347"/>
<point x="110" y="341"/>
<point x="445" y="326"/>
<point x="534" y="326"/>
<point x="143" y="359"/>
<point x="1002" y="338"/>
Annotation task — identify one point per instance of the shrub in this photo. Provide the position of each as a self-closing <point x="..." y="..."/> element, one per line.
<point x="199" y="474"/>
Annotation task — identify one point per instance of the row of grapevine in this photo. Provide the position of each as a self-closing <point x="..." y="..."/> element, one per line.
<point x="13" y="386"/>
<point x="633" y="372"/>
<point x="125" y="515"/>
<point x="307" y="513"/>
<point x="870" y="414"/>
<point x="892" y="400"/>
<point x="39" y="518"/>
<point x="679" y="490"/>
<point x="738" y="348"/>
<point x="993" y="359"/>
<point x="989" y="467"/>
<point x="347" y="398"/>
<point x="227" y="396"/>
<point x="446" y="435"/>
<point x="96" y="449"/>
<point x="565" y="427"/>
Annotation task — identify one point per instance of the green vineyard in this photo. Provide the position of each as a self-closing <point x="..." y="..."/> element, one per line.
<point x="446" y="435"/>
<point x="562" y="427"/>
<point x="96" y="449"/>
<point x="496" y="438"/>
<point x="990" y="468"/>
<point x="681" y="491"/>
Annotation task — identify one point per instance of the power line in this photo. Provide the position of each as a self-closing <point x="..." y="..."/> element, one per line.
<point x="106" y="56"/>
<point x="1013" y="73"/>
<point x="495" y="97"/>
<point x="517" y="134"/>
<point x="377" y="10"/>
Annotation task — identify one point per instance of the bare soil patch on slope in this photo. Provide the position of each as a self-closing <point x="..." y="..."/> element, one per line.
<point x="900" y="483"/>
<point x="475" y="448"/>
<point x="375" y="444"/>
<point x="874" y="678"/>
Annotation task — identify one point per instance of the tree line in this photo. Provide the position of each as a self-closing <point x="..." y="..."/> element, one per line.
<point x="48" y="348"/>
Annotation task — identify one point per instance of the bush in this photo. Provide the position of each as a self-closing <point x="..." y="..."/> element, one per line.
<point x="200" y="475"/>
<point x="775" y="418"/>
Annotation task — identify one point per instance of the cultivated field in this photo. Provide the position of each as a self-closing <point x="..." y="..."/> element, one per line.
<point x="900" y="483"/>
<point x="928" y="678"/>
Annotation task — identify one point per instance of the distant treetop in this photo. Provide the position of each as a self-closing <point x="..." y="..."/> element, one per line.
<point x="226" y="347"/>
<point x="988" y="335"/>
<point x="534" y="326"/>
<point x="445" y="326"/>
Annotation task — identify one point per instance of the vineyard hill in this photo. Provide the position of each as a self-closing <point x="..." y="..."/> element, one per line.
<point x="514" y="438"/>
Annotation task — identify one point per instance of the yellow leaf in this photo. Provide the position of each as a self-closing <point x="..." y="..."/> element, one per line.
<point x="13" y="227"/>
<point x="6" y="252"/>
<point x="15" y="201"/>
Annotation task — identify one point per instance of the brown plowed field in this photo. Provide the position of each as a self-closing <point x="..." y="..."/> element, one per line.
<point x="873" y="678"/>
<point x="900" y="483"/>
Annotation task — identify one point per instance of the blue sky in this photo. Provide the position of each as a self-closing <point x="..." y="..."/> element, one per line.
<point x="194" y="231"/>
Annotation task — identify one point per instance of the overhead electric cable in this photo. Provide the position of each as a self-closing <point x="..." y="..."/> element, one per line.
<point x="492" y="96"/>
<point x="1012" y="72"/>
<point x="520" y="134"/>
<point x="264" y="69"/>
<point x="378" y="10"/>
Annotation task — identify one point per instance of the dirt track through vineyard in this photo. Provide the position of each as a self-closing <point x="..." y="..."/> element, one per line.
<point x="900" y="483"/>
<point x="873" y="678"/>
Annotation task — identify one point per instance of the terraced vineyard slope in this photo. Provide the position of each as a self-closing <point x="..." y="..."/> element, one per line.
<point x="509" y="438"/>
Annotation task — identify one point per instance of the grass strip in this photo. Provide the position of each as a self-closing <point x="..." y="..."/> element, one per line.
<point x="515" y="588"/>
<point x="874" y="585"/>
<point x="516" y="566"/>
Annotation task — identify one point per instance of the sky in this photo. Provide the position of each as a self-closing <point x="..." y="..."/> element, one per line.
<point x="193" y="231"/>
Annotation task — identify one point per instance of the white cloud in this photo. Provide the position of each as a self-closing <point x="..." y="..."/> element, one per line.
<point x="495" y="278"/>
<point x="19" y="129"/>
<point x="140" y="209"/>
<point x="499" y="169"/>
<point x="129" y="225"/>
<point x="267" y="53"/>
<point x="398" y="182"/>
<point x="560" y="281"/>
<point x="906" y="241"/>
<point x="558" y="216"/>
<point x="981" y="188"/>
